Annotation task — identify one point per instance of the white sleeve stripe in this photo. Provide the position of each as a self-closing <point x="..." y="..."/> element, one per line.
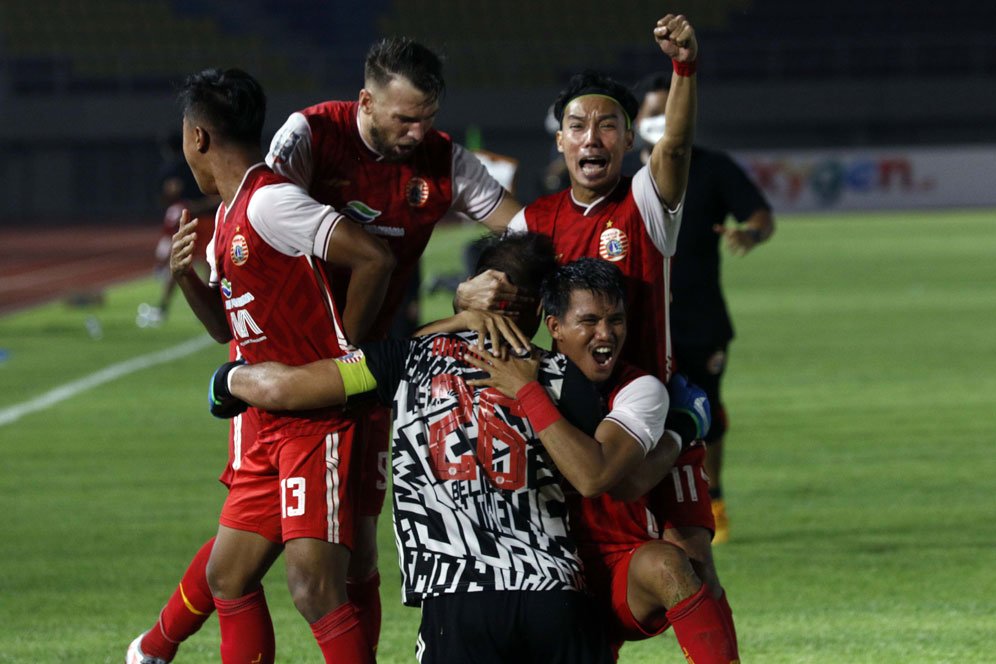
<point x="494" y="207"/>
<point x="640" y="440"/>
<point x="324" y="234"/>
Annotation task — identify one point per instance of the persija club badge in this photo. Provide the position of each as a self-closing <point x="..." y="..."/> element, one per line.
<point x="417" y="192"/>
<point x="613" y="244"/>
<point x="240" y="250"/>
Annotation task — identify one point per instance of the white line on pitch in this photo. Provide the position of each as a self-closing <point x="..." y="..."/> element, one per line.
<point x="13" y="413"/>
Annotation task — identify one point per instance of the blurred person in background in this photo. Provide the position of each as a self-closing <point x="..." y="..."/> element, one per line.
<point x="701" y="329"/>
<point x="177" y="192"/>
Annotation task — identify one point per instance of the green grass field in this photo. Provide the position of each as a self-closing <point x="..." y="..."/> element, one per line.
<point x="861" y="478"/>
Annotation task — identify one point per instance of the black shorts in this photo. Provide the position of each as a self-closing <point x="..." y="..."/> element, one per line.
<point x="704" y="366"/>
<point x="495" y="627"/>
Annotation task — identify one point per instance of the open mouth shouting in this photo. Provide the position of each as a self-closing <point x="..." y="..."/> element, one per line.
<point x="593" y="167"/>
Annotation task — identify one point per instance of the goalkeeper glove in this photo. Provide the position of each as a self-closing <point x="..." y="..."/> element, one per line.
<point x="220" y="400"/>
<point x="689" y="415"/>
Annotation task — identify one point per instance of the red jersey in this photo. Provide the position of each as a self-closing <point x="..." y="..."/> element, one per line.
<point x="630" y="228"/>
<point x="322" y="150"/>
<point x="638" y="402"/>
<point x="276" y="296"/>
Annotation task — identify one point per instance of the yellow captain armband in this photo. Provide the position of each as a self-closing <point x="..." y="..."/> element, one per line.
<point x="356" y="376"/>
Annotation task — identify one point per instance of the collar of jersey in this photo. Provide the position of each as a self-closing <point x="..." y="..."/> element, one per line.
<point x="591" y="206"/>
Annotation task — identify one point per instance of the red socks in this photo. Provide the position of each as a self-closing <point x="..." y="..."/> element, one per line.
<point x="340" y="636"/>
<point x="246" y="630"/>
<point x="701" y="628"/>
<point x="365" y="595"/>
<point x="187" y="609"/>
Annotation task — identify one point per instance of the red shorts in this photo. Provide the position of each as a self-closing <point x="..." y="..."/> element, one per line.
<point x="374" y="435"/>
<point x="295" y="487"/>
<point x="241" y="436"/>
<point x="608" y="578"/>
<point x="682" y="499"/>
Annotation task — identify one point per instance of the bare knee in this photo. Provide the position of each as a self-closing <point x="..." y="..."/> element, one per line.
<point x="316" y="576"/>
<point x="697" y="544"/>
<point x="663" y="572"/>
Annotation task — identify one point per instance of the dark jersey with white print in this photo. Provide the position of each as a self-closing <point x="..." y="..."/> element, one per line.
<point x="478" y="504"/>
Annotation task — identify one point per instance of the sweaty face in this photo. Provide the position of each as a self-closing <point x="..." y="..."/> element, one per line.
<point x="396" y="117"/>
<point x="593" y="138"/>
<point x="591" y="333"/>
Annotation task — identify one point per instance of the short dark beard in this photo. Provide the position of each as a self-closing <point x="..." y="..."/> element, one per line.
<point x="380" y="145"/>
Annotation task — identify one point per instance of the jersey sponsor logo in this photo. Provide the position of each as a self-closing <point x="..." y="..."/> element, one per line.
<point x="240" y="250"/>
<point x="613" y="245"/>
<point x="417" y="192"/>
<point x="226" y="287"/>
<point x="360" y="211"/>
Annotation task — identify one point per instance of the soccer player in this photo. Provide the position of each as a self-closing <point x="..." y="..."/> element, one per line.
<point x="379" y="161"/>
<point x="269" y="291"/>
<point x="701" y="329"/>
<point x="647" y="584"/>
<point x="633" y="222"/>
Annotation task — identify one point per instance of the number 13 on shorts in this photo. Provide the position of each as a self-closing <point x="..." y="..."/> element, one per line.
<point x="292" y="496"/>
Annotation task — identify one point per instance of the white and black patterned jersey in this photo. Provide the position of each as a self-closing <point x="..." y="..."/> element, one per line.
<point x="477" y="501"/>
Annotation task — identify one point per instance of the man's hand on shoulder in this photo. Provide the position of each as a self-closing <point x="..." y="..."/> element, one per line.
<point x="220" y="399"/>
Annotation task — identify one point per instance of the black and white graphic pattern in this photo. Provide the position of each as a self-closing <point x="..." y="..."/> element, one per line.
<point x="477" y="502"/>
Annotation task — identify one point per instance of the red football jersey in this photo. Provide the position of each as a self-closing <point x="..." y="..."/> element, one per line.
<point x="277" y="302"/>
<point x="638" y="403"/>
<point x="630" y="228"/>
<point x="321" y="149"/>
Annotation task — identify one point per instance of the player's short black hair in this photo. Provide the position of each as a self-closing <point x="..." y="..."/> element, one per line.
<point x="591" y="274"/>
<point x="230" y="102"/>
<point x="652" y="83"/>
<point x="592" y="83"/>
<point x="525" y="258"/>
<point x="401" y="56"/>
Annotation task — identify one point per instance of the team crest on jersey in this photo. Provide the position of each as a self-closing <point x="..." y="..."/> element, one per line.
<point x="226" y="287"/>
<point x="613" y="244"/>
<point x="360" y="211"/>
<point x="240" y="250"/>
<point x="417" y="192"/>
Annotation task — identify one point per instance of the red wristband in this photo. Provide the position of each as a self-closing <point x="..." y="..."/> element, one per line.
<point x="684" y="68"/>
<point x="540" y="410"/>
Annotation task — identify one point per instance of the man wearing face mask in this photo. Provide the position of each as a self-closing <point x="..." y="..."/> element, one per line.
<point x="701" y="329"/>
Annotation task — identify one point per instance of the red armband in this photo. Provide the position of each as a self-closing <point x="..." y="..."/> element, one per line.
<point x="538" y="406"/>
<point x="684" y="68"/>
